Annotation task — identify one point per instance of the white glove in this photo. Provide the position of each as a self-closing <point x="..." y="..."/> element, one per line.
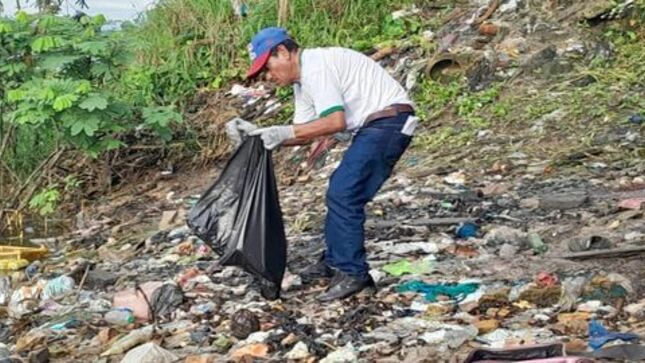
<point x="237" y="128"/>
<point x="274" y="135"/>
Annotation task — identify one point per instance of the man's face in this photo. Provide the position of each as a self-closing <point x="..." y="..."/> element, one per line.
<point x="281" y="68"/>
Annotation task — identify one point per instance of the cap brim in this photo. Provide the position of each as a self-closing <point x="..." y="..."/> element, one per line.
<point x="258" y="64"/>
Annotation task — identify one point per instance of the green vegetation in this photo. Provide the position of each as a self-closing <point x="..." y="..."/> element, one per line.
<point x="68" y="85"/>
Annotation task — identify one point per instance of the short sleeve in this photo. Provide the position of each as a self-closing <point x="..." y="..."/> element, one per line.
<point x="325" y="91"/>
<point x="304" y="107"/>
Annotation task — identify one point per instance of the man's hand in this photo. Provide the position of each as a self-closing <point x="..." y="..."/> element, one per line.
<point x="275" y="135"/>
<point x="237" y="128"/>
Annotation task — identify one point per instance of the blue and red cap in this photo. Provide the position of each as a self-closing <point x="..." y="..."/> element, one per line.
<point x="261" y="45"/>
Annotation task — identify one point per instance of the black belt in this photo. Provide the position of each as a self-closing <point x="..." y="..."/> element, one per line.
<point x="390" y="111"/>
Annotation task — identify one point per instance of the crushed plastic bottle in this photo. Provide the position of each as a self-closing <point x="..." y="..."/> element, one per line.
<point x="537" y="244"/>
<point x="120" y="316"/>
<point x="58" y="287"/>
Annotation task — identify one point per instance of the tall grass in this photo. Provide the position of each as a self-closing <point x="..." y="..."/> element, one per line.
<point x="202" y="42"/>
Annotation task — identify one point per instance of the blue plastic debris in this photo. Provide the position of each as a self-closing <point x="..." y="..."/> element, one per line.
<point x="599" y="336"/>
<point x="467" y="230"/>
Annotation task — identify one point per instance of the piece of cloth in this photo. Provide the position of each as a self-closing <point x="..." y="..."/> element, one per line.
<point x="274" y="136"/>
<point x="403" y="267"/>
<point x="599" y="335"/>
<point x="431" y="291"/>
<point x="334" y="79"/>
<point x="367" y="163"/>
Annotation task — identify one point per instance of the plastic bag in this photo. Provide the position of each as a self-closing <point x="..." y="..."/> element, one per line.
<point x="239" y="216"/>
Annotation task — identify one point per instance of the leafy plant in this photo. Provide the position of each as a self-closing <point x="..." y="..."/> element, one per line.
<point x="45" y="201"/>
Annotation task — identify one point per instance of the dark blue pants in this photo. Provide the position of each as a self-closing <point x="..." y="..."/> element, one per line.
<point x="367" y="163"/>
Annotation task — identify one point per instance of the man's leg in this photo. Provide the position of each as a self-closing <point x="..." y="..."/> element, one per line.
<point x="366" y="165"/>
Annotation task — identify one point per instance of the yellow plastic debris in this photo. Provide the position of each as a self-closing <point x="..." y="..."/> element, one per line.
<point x="17" y="257"/>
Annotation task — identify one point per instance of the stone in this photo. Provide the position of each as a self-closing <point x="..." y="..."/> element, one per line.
<point x="346" y="354"/>
<point x="256" y="350"/>
<point x="203" y="358"/>
<point x="505" y="235"/>
<point x="486" y="326"/>
<point x="299" y="351"/>
<point x="39" y="356"/>
<point x="508" y="251"/>
<point x="149" y="353"/>
<point x="99" y="279"/>
<point x="563" y="201"/>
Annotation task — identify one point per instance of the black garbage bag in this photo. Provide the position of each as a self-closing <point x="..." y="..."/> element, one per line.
<point x="239" y="216"/>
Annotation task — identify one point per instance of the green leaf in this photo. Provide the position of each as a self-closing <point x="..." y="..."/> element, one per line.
<point x="87" y="125"/>
<point x="16" y="95"/>
<point x="64" y="102"/>
<point x="160" y="115"/>
<point x="45" y="43"/>
<point x="99" y="20"/>
<point x="5" y="28"/>
<point x="94" y="101"/>
<point x="54" y="62"/>
<point x="93" y="47"/>
<point x="22" y="17"/>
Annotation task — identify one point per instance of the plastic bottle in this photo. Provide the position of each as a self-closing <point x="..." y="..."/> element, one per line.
<point x="120" y="316"/>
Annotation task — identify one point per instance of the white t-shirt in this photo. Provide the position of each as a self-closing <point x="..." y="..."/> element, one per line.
<point x="333" y="79"/>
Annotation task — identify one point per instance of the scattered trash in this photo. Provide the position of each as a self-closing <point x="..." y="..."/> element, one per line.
<point x="120" y="316"/>
<point x="133" y="339"/>
<point x="433" y="291"/>
<point x="243" y="323"/>
<point x="599" y="335"/>
<point x="402" y="267"/>
<point x="544" y="279"/>
<point x="466" y="230"/>
<point x="137" y="300"/>
<point x="149" y="353"/>
<point x="536" y="243"/>
<point x="58" y="287"/>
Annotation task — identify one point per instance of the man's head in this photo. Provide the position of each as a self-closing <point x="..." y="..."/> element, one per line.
<point x="274" y="53"/>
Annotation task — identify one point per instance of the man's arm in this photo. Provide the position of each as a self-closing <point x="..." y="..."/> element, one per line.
<point x="328" y="125"/>
<point x="323" y="126"/>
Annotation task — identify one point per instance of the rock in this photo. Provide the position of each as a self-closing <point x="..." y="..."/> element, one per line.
<point x="451" y="335"/>
<point x="39" y="356"/>
<point x="563" y="201"/>
<point x="508" y="251"/>
<point x="256" y="350"/>
<point x="505" y="235"/>
<point x="98" y="279"/>
<point x="488" y="29"/>
<point x="346" y="354"/>
<point x="299" y="351"/>
<point x="576" y="346"/>
<point x="243" y="323"/>
<point x="149" y="353"/>
<point x="486" y="326"/>
<point x="203" y="358"/>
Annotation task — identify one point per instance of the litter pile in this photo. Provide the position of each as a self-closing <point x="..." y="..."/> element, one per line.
<point x="509" y="263"/>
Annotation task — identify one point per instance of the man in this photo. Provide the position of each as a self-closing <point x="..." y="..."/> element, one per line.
<point x="337" y="89"/>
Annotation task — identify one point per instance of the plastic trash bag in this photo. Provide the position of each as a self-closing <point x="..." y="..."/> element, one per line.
<point x="239" y="216"/>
